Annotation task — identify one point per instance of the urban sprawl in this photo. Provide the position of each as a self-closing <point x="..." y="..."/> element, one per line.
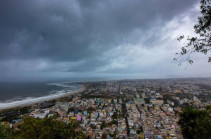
<point x="144" y="109"/>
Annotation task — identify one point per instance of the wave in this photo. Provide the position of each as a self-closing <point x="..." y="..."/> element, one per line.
<point x="53" y="94"/>
<point x="59" y="84"/>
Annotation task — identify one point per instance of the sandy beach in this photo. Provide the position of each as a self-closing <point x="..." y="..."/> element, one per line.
<point x="32" y="101"/>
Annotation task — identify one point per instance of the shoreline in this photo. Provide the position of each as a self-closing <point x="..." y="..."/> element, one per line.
<point x="42" y="99"/>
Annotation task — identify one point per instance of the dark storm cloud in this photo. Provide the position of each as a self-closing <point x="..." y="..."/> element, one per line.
<point x="74" y="31"/>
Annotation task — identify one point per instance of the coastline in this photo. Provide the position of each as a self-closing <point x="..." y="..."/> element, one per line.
<point x="42" y="99"/>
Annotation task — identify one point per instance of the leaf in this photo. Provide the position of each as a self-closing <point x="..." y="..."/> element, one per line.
<point x="190" y="61"/>
<point x="184" y="51"/>
<point x="180" y="38"/>
<point x="209" y="59"/>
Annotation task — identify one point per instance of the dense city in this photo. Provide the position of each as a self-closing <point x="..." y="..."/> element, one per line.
<point x="144" y="109"/>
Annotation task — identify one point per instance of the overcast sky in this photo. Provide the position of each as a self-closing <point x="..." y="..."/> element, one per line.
<point x="49" y="39"/>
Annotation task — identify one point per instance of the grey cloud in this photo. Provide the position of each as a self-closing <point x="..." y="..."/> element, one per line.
<point x="74" y="31"/>
<point x="62" y="31"/>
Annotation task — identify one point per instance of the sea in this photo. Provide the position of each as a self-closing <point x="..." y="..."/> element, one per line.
<point x="15" y="94"/>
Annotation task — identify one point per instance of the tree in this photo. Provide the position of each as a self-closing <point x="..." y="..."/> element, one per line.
<point x="71" y="109"/>
<point x="103" y="125"/>
<point x="5" y="132"/>
<point x="48" y="128"/>
<point x="90" y="110"/>
<point x="115" y="115"/>
<point x="201" y="44"/>
<point x="104" y="136"/>
<point x="195" y="123"/>
<point x="147" y="100"/>
<point x="113" y="122"/>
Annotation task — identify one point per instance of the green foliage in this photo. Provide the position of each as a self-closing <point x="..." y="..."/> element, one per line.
<point x="208" y="109"/>
<point x="113" y="135"/>
<point x="115" y="115"/>
<point x="147" y="100"/>
<point x="70" y="110"/>
<point x="140" y="130"/>
<point x="195" y="123"/>
<point x="103" y="125"/>
<point x="113" y="122"/>
<point x="90" y="110"/>
<point x="48" y="128"/>
<point x="24" y="110"/>
<point x="202" y="43"/>
<point x="93" y="126"/>
<point x="5" y="132"/>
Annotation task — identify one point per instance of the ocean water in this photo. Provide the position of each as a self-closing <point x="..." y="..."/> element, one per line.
<point x="14" y="94"/>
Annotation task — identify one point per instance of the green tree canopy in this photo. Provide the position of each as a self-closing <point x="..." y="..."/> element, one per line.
<point x="195" y="124"/>
<point x="5" y="132"/>
<point x="48" y="128"/>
